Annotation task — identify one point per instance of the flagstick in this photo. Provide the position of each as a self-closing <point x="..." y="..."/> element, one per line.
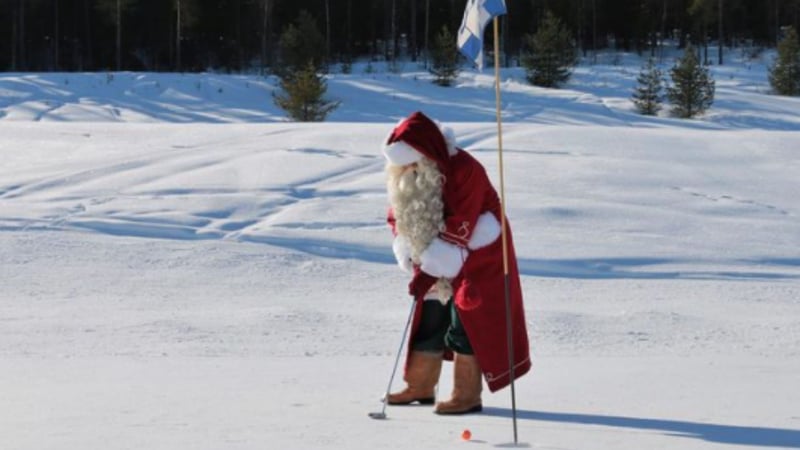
<point x="503" y="225"/>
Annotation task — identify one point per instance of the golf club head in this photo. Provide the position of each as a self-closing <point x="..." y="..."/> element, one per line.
<point x="379" y="415"/>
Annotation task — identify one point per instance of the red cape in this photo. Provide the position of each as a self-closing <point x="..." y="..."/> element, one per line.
<point x="479" y="289"/>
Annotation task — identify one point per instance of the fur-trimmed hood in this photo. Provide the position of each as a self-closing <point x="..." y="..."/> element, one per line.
<point x="417" y="136"/>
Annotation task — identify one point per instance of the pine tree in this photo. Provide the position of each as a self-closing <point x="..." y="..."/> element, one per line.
<point x="647" y="96"/>
<point x="784" y="75"/>
<point x="302" y="96"/>
<point x="300" y="44"/>
<point x="692" y="91"/>
<point x="551" y="54"/>
<point x="444" y="58"/>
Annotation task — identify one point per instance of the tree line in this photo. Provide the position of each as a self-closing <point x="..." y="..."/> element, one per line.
<point x="243" y="35"/>
<point x="548" y="60"/>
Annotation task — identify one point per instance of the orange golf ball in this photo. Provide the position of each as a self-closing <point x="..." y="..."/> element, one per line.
<point x="466" y="435"/>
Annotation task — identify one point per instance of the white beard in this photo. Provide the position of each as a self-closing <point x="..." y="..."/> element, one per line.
<point x="416" y="199"/>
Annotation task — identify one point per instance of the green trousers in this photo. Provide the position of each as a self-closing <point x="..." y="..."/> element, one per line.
<point x="440" y="327"/>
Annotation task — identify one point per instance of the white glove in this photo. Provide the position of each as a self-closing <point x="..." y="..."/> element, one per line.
<point x="402" y="253"/>
<point x="443" y="259"/>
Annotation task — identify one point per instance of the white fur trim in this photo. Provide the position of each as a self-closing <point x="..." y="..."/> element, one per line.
<point x="402" y="252"/>
<point x="449" y="138"/>
<point x="487" y="230"/>
<point x="442" y="259"/>
<point x="399" y="153"/>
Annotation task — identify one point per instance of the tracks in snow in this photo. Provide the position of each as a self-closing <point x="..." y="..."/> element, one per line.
<point x="192" y="192"/>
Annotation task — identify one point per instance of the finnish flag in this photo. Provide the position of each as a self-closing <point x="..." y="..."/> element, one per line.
<point x="476" y="16"/>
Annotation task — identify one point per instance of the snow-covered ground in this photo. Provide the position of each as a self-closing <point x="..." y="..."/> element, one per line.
<point x="180" y="268"/>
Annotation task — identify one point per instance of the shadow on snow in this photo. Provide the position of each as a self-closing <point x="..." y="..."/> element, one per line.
<point x="632" y="268"/>
<point x="723" y="434"/>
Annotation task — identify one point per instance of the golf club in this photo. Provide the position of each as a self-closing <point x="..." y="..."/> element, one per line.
<point x="380" y="415"/>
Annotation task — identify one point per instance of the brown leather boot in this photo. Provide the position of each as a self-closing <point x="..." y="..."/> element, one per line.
<point x="421" y="378"/>
<point x="467" y="386"/>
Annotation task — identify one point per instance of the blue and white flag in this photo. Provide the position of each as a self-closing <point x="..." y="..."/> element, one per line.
<point x="477" y="15"/>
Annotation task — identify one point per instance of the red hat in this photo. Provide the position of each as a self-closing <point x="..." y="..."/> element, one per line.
<point x="417" y="136"/>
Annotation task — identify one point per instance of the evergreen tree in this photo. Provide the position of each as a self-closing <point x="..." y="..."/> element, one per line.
<point x="302" y="96"/>
<point x="692" y="91"/>
<point x="647" y="96"/>
<point x="444" y="58"/>
<point x="551" y="53"/>
<point x="301" y="44"/>
<point x="784" y="75"/>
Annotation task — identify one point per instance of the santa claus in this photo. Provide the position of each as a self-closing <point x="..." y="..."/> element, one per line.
<point x="445" y="216"/>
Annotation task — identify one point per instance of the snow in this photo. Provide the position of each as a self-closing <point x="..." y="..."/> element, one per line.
<point x="182" y="268"/>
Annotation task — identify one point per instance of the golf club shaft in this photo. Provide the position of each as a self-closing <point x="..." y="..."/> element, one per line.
<point x="397" y="358"/>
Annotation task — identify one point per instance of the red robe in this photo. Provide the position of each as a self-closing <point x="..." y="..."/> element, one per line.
<point x="479" y="289"/>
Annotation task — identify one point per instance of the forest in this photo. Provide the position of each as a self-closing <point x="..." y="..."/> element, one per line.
<point x="243" y="35"/>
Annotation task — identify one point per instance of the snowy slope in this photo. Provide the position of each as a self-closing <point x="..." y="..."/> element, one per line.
<point x="595" y="95"/>
<point x="204" y="275"/>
